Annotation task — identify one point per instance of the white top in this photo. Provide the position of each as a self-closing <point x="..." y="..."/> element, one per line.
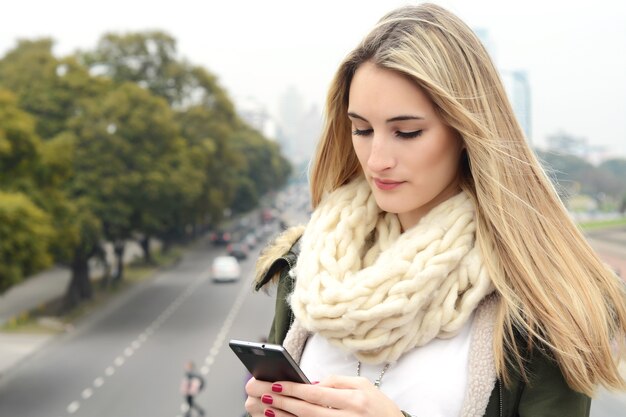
<point x="427" y="381"/>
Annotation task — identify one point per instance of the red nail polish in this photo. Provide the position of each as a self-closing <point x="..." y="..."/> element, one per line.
<point x="277" y="388"/>
<point x="267" y="399"/>
<point x="315" y="382"/>
<point x="269" y="413"/>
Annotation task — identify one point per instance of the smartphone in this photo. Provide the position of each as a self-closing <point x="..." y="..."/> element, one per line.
<point x="268" y="362"/>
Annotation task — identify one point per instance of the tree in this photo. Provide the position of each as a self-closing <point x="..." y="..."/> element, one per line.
<point x="25" y="229"/>
<point x="127" y="149"/>
<point x="148" y="59"/>
<point x="25" y="235"/>
<point x="48" y="88"/>
<point x="52" y="89"/>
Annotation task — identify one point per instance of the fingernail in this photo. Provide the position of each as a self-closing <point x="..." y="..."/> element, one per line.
<point x="277" y="388"/>
<point x="315" y="382"/>
<point x="267" y="399"/>
<point x="269" y="413"/>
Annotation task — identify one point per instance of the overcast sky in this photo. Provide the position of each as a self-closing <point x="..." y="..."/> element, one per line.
<point x="574" y="52"/>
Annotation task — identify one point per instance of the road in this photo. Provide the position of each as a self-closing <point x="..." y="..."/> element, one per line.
<point x="128" y="359"/>
<point x="611" y="245"/>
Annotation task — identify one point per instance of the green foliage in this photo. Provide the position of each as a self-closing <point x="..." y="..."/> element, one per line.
<point x="131" y="162"/>
<point x="265" y="168"/>
<point x="48" y="88"/>
<point x="575" y="175"/>
<point x="19" y="144"/>
<point x="147" y="59"/>
<point x="617" y="167"/>
<point x="25" y="233"/>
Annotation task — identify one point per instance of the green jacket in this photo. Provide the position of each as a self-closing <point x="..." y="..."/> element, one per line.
<point x="545" y="395"/>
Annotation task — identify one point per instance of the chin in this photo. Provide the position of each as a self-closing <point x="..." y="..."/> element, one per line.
<point x="388" y="206"/>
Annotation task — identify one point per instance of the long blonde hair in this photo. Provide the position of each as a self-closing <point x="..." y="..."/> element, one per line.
<point x="553" y="288"/>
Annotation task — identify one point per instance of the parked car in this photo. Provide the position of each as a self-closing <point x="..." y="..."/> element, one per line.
<point x="225" y="268"/>
<point x="239" y="250"/>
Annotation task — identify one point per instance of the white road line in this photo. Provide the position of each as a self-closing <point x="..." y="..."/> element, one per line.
<point x="119" y="361"/>
<point x="98" y="382"/>
<point x="129" y="352"/>
<point x="109" y="371"/>
<point x="71" y="409"/>
<point x="87" y="392"/>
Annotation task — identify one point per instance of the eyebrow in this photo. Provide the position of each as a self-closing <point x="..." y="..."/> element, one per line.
<point x="393" y="119"/>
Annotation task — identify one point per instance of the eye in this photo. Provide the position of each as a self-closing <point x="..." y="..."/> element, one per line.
<point x="409" y="135"/>
<point x="364" y="132"/>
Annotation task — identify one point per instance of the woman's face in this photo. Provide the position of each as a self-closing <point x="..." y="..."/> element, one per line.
<point x="410" y="158"/>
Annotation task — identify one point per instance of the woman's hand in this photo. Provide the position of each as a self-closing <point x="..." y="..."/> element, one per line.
<point x="334" y="396"/>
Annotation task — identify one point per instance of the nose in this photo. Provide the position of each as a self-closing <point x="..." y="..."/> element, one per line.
<point x="381" y="155"/>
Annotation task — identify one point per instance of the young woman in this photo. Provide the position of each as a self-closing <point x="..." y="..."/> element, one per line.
<point x="439" y="274"/>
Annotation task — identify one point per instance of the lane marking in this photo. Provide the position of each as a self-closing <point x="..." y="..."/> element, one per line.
<point x="143" y="336"/>
<point x="73" y="407"/>
<point x="87" y="392"/>
<point x="221" y="335"/>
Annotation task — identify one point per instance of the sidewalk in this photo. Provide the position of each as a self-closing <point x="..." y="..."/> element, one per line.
<point x="31" y="293"/>
<point x="48" y="285"/>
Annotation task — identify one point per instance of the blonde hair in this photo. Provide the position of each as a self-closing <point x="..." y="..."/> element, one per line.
<point x="553" y="288"/>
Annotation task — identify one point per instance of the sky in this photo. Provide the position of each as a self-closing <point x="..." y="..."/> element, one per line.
<point x="574" y="52"/>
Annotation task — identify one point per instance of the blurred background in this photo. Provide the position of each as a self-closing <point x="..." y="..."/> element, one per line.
<point x="142" y="142"/>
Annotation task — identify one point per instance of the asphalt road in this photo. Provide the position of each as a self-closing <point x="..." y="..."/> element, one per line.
<point x="127" y="360"/>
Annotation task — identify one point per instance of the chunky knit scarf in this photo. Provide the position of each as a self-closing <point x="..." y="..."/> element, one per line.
<point x="377" y="292"/>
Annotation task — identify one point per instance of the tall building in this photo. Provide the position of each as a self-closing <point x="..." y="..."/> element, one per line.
<point x="299" y="126"/>
<point x="518" y="89"/>
<point x="516" y="84"/>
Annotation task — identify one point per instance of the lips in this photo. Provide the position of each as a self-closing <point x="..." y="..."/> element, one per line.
<point x="386" y="185"/>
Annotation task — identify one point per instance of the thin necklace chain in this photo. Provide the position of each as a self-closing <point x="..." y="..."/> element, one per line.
<point x="380" y="377"/>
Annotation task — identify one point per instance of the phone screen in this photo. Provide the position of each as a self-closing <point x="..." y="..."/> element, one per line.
<point x="268" y="362"/>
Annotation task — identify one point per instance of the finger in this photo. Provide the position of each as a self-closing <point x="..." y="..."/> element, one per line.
<point x="256" y="388"/>
<point x="335" y="392"/>
<point x="283" y="406"/>
<point x="273" y="412"/>
<point x="256" y="407"/>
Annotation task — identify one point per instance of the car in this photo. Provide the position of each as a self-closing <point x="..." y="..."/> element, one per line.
<point x="220" y="237"/>
<point x="225" y="268"/>
<point x="251" y="240"/>
<point x="238" y="249"/>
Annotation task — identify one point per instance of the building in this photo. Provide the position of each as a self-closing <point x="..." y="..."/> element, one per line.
<point x="516" y="83"/>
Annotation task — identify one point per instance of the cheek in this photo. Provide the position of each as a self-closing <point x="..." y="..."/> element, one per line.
<point x="361" y="150"/>
<point x="441" y="156"/>
<point x="438" y="150"/>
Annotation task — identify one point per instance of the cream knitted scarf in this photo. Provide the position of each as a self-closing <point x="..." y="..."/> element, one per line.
<point x="377" y="292"/>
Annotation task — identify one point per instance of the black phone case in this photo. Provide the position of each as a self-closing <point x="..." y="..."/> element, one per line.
<point x="268" y="362"/>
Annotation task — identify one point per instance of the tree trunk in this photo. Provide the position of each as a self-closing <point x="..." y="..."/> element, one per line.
<point x="79" y="288"/>
<point x="145" y="246"/>
<point x="118" y="249"/>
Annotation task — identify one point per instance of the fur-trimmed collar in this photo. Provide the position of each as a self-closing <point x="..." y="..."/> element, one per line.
<point x="274" y="250"/>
